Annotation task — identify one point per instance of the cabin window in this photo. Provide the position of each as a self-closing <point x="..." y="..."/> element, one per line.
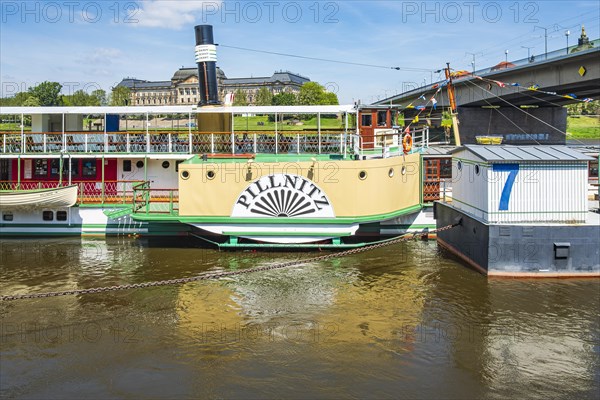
<point x="7" y="217"/>
<point x="88" y="168"/>
<point x="40" y="169"/>
<point x="446" y="168"/>
<point x="127" y="165"/>
<point x="61" y="215"/>
<point x="593" y="170"/>
<point x="54" y="168"/>
<point x="48" y="215"/>
<point x="365" y="120"/>
<point x="381" y="118"/>
<point x="74" y="167"/>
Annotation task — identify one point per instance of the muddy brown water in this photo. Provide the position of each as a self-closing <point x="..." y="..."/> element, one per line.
<point x="405" y="321"/>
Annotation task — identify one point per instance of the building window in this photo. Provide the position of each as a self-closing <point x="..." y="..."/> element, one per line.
<point x="446" y="168"/>
<point x="365" y="120"/>
<point x="61" y="215"/>
<point x="47" y="215"/>
<point x="88" y="168"/>
<point x="40" y="169"/>
<point x="381" y="118"/>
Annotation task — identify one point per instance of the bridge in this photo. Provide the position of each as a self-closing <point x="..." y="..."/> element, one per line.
<point x="521" y="100"/>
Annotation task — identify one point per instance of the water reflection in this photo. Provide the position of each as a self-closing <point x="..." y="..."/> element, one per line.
<point x="401" y="322"/>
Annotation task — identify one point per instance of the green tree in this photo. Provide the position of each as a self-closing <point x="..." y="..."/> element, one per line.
<point x="240" y="98"/>
<point x="81" y="99"/>
<point x="120" y="96"/>
<point x="31" y="101"/>
<point x="311" y="93"/>
<point x="264" y="97"/>
<point x="48" y="93"/>
<point x="285" y="99"/>
<point x="329" y="98"/>
<point x="100" y="96"/>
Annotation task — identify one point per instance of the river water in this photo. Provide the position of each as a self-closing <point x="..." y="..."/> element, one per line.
<point x="405" y="321"/>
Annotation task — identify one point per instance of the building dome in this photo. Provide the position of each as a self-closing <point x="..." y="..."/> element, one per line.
<point x="184" y="73"/>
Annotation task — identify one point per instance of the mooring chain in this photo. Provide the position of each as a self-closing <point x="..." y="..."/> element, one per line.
<point x="224" y="274"/>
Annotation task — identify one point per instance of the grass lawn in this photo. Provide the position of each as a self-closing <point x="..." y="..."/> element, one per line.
<point x="13" y="126"/>
<point x="583" y="127"/>
<point x="262" y="123"/>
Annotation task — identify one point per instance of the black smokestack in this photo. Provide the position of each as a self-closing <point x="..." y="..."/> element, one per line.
<point x="206" y="58"/>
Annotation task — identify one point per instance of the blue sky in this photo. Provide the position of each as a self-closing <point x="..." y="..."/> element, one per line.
<point x="91" y="44"/>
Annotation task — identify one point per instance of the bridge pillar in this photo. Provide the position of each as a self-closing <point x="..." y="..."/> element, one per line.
<point x="542" y="125"/>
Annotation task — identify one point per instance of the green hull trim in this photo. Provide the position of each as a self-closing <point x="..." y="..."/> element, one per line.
<point x="291" y="246"/>
<point x="283" y="221"/>
<point x="323" y="234"/>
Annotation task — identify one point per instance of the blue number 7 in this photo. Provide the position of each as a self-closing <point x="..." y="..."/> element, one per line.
<point x="513" y="170"/>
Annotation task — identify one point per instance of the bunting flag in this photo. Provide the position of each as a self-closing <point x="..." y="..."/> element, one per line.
<point x="410" y="106"/>
<point x="415" y="120"/>
<point x="420" y="108"/>
<point x="437" y="85"/>
<point x="587" y="100"/>
<point x="501" y="84"/>
<point x="572" y="95"/>
<point x="533" y="87"/>
<point x="515" y="84"/>
<point x="434" y="102"/>
<point x="422" y="97"/>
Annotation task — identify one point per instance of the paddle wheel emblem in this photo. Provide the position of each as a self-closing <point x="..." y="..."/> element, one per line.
<point x="283" y="196"/>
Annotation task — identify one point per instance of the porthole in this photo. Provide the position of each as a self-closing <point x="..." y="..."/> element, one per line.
<point x="459" y="165"/>
<point x="139" y="164"/>
<point x="391" y="172"/>
<point x="166" y="164"/>
<point x="210" y="174"/>
<point x="185" y="174"/>
<point x="477" y="170"/>
<point x="362" y="175"/>
<point x="403" y="170"/>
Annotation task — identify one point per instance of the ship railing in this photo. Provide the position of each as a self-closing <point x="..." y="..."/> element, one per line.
<point x="437" y="189"/>
<point x="148" y="200"/>
<point x="178" y="142"/>
<point x="92" y="193"/>
<point x="389" y="142"/>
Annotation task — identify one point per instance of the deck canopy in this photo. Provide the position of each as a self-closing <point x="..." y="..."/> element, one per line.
<point x="137" y="110"/>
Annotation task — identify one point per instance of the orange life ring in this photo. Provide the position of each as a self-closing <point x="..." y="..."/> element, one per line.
<point x="407" y="143"/>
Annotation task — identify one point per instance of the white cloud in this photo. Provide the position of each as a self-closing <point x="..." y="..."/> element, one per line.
<point x="173" y="14"/>
<point x="101" y="56"/>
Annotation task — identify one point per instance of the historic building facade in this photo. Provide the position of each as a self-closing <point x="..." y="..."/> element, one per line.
<point x="182" y="89"/>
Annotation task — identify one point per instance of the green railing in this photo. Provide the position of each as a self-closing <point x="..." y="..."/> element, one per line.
<point x="148" y="200"/>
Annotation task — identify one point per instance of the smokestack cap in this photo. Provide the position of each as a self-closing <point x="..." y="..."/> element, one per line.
<point x="204" y="34"/>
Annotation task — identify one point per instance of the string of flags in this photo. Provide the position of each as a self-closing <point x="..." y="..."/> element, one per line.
<point x="536" y="88"/>
<point x="440" y="85"/>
